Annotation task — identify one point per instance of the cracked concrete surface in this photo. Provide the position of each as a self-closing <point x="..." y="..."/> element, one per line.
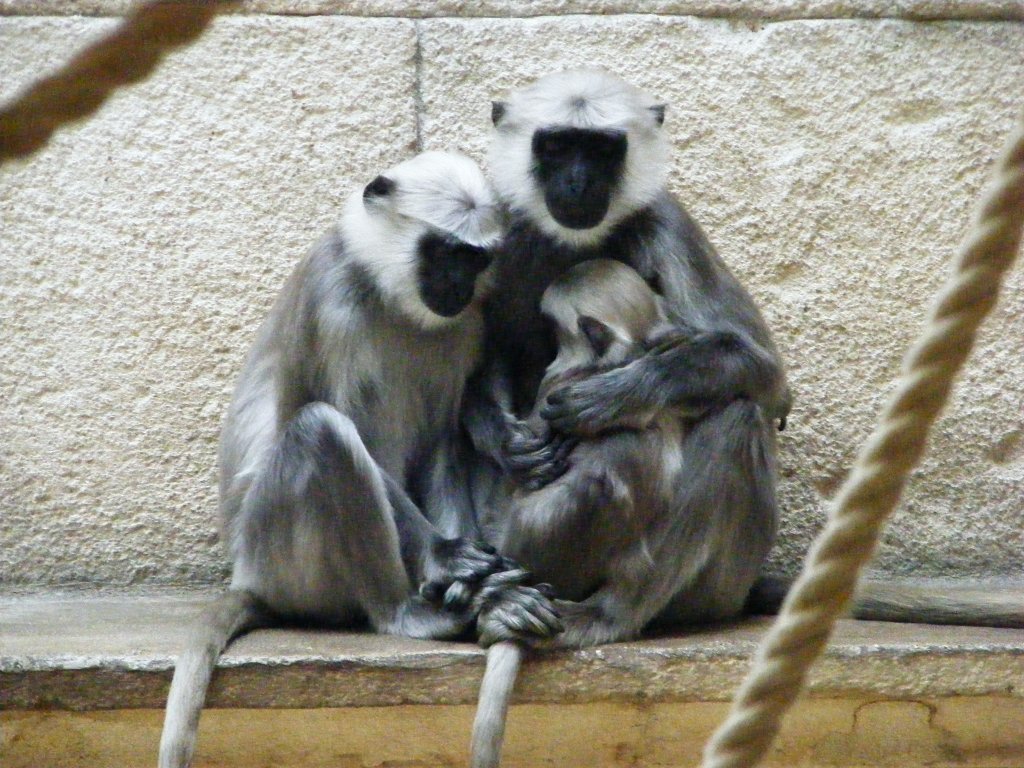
<point x="117" y="650"/>
<point x="84" y="678"/>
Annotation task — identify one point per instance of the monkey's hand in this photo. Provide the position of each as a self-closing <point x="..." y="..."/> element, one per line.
<point x="508" y="609"/>
<point x="686" y="371"/>
<point x="534" y="458"/>
<point x="601" y="402"/>
<point x="454" y="569"/>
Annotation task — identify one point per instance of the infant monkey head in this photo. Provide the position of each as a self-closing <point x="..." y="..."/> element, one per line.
<point x="424" y="230"/>
<point x="602" y="313"/>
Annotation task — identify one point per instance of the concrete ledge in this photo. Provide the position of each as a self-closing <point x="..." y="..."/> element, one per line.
<point x="989" y="10"/>
<point x="89" y="652"/>
<point x="83" y="679"/>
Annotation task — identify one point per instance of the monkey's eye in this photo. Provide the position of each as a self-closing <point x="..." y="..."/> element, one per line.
<point x="549" y="145"/>
<point x="610" y="145"/>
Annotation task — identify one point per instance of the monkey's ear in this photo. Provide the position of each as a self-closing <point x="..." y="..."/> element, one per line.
<point x="380" y="187"/>
<point x="658" y="110"/>
<point x="599" y="335"/>
<point x="498" y="110"/>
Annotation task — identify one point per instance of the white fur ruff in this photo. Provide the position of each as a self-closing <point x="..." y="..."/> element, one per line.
<point x="579" y="99"/>
<point x="435" y="190"/>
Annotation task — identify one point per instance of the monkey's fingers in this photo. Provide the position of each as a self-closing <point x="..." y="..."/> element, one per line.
<point x="583" y="408"/>
<point x="472" y="560"/>
<point x="493" y="585"/>
<point x="547" y="590"/>
<point x="454" y="569"/>
<point x="458" y="597"/>
<point x="525" y="444"/>
<point x="529" y="622"/>
<point x="533" y="472"/>
<point x="462" y="586"/>
<point x="523" y="614"/>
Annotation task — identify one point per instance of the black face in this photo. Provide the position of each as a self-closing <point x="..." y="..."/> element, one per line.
<point x="448" y="268"/>
<point x="578" y="169"/>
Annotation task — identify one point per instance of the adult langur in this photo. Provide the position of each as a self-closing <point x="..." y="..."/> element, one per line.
<point x="341" y="489"/>
<point x="580" y="159"/>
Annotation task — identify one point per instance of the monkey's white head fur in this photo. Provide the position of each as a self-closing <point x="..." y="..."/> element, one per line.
<point x="579" y="99"/>
<point x="382" y="224"/>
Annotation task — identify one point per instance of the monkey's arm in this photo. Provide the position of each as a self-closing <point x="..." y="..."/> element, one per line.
<point x="688" y="371"/>
<point x="718" y="349"/>
<point x="447" y="570"/>
<point x="486" y="411"/>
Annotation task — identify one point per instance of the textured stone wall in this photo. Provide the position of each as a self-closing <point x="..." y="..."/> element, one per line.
<point x="833" y="157"/>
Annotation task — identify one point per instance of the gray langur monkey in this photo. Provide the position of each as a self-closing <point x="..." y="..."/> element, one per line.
<point x="580" y="161"/>
<point x="340" y="476"/>
<point x="604" y="534"/>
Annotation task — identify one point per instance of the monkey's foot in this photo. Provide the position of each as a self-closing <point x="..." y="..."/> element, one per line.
<point x="455" y="569"/>
<point x="509" y="609"/>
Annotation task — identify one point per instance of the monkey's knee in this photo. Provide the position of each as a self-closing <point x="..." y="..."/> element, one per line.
<point x="327" y="441"/>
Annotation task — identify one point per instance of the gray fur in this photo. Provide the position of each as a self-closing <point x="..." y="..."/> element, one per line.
<point x="343" y="423"/>
<point x="711" y="386"/>
<point x="607" y="535"/>
<point x="990" y="603"/>
<point x="503" y="661"/>
<point x="232" y="614"/>
<point x="623" y="545"/>
<point x="712" y="360"/>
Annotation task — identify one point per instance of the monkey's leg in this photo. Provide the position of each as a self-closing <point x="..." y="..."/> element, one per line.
<point x="696" y="561"/>
<point x="318" y="538"/>
<point x="726" y="514"/>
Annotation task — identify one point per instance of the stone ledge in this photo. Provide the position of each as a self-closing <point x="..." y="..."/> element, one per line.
<point x="931" y="10"/>
<point x="84" y="652"/>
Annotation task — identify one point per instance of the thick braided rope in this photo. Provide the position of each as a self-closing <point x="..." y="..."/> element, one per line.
<point x="873" y="488"/>
<point x="127" y="55"/>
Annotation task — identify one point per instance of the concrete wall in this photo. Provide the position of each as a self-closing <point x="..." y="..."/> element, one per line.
<point x="832" y="155"/>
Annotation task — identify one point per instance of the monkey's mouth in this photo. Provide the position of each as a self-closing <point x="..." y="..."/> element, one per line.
<point x="577" y="213"/>
<point x="449" y="302"/>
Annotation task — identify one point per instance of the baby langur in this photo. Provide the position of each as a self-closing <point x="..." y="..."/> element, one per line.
<point x="596" y="533"/>
<point x="340" y="491"/>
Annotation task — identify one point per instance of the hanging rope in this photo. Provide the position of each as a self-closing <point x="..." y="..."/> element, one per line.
<point x="873" y="488"/>
<point x="127" y="55"/>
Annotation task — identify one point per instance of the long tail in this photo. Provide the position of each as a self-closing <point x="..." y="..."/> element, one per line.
<point x="232" y="614"/>
<point x="974" y="604"/>
<point x="503" y="660"/>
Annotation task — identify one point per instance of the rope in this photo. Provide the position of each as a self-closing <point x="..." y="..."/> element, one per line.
<point x="873" y="488"/>
<point x="127" y="55"/>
